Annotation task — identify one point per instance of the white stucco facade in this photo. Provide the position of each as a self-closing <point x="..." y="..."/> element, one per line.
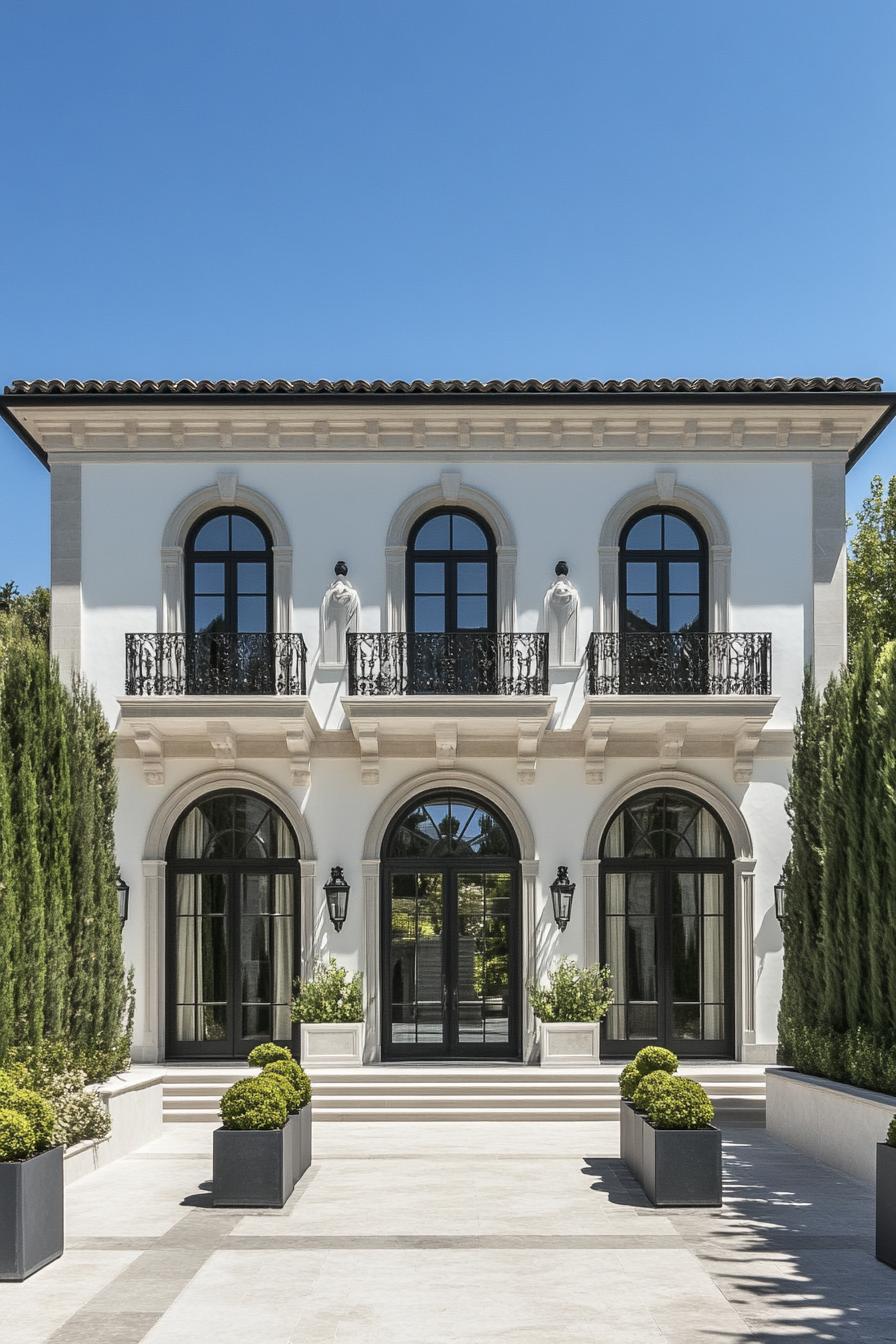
<point x="764" y="484"/>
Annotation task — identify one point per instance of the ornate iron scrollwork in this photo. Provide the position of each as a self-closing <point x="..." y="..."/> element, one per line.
<point x="679" y="664"/>
<point x="469" y="662"/>
<point x="214" y="663"/>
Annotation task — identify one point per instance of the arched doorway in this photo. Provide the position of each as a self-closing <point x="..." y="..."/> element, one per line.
<point x="451" y="930"/>
<point x="451" y="604"/>
<point x="232" y="927"/>
<point x="666" y="895"/>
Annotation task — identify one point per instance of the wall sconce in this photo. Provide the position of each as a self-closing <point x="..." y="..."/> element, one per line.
<point x="124" y="893"/>
<point x="780" y="899"/>
<point x="336" y="892"/>
<point x="562" y="891"/>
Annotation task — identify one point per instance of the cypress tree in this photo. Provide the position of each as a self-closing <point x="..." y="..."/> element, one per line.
<point x="56" y="823"/>
<point x="84" y="861"/>
<point x="9" y="916"/>
<point x="802" y="978"/>
<point x="835" y="842"/>
<point x="881" y="823"/>
<point x="855" y="896"/>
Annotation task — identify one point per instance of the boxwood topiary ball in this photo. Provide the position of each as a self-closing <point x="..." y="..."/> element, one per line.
<point x="681" y="1104"/>
<point x="17" y="1140"/>
<point x="654" y="1057"/>
<point x="291" y="1098"/>
<point x="266" y="1053"/>
<point x="629" y="1079"/>
<point x="37" y="1111"/>
<point x="253" y="1103"/>
<point x="649" y="1087"/>
<point x="294" y="1074"/>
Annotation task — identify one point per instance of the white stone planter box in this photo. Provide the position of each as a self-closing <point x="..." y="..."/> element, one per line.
<point x="573" y="1045"/>
<point x="335" y="1045"/>
<point x="134" y="1103"/>
<point x="832" y="1122"/>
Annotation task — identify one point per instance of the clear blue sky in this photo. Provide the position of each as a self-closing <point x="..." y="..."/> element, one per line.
<point x="413" y="188"/>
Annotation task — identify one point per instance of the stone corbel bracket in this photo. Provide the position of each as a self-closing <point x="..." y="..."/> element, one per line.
<point x="745" y="745"/>
<point x="222" y="741"/>
<point x="298" y="747"/>
<point x="152" y="754"/>
<point x="446" y="745"/>
<point x="368" y="738"/>
<point x="670" y="741"/>
<point x="597" y="736"/>
<point x="529" y="735"/>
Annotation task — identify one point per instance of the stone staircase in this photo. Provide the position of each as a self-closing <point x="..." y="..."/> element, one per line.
<point x="458" y="1092"/>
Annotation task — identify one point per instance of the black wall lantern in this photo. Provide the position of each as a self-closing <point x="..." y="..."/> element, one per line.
<point x="780" y="898"/>
<point x="124" y="892"/>
<point x="336" y="892"/>
<point x="562" y="891"/>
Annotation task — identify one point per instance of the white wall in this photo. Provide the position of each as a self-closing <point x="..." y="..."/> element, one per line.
<point x="337" y="510"/>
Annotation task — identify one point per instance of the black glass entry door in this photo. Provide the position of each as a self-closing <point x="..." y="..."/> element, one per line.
<point x="666" y="941"/>
<point x="666" y="896"/>
<point x="451" y="962"/>
<point x="231" y="928"/>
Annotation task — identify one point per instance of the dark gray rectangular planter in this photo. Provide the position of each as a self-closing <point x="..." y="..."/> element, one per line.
<point x="681" y="1168"/>
<point x="31" y="1214"/>
<point x="630" y="1126"/>
<point x="299" y="1130"/>
<point x="252" y="1168"/>
<point x="886" y="1204"/>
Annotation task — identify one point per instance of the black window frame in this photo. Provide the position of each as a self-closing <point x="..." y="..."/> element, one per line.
<point x="230" y="559"/>
<point x="451" y="558"/>
<point x="662" y="559"/>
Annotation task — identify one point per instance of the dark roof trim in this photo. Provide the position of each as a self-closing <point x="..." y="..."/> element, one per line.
<point x="28" y="439"/>
<point x="874" y="432"/>
<point x="283" y="387"/>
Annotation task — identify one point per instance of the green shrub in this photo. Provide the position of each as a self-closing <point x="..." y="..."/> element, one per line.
<point x="573" y="994"/>
<point x="17" y="1138"/>
<point x="654" y="1057"/>
<point x="891" y="1133"/>
<point x="266" y="1053"/>
<point x="650" y="1085"/>
<point x="329" y="996"/>
<point x="54" y="1070"/>
<point x="629" y="1079"/>
<point x="291" y="1098"/>
<point x="681" y="1104"/>
<point x="253" y="1103"/>
<point x="295" y="1075"/>
<point x="38" y="1112"/>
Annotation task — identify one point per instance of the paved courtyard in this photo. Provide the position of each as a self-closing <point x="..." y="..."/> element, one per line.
<point x="423" y="1233"/>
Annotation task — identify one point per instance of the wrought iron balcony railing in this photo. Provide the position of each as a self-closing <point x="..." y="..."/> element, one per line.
<point x="679" y="664"/>
<point x="214" y="663"/>
<point x="470" y="662"/>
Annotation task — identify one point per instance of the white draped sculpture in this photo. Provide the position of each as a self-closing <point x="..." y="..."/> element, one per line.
<point x="561" y="618"/>
<point x="338" y="616"/>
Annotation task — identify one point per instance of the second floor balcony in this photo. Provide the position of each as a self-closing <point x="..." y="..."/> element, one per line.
<point x="463" y="663"/>
<point x="214" y="663"/>
<point x="679" y="663"/>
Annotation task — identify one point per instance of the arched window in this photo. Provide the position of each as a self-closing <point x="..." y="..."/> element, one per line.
<point x="229" y="588"/>
<point x="228" y="558"/>
<point x="666" y="896"/>
<point x="451" y="931"/>
<point x="663" y="588"/>
<point x="451" y="573"/>
<point x="232" y="936"/>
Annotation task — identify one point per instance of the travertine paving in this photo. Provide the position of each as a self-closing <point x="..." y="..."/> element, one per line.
<point x="458" y="1233"/>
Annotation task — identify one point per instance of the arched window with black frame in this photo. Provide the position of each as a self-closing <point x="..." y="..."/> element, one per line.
<point x="664" y="604"/>
<point x="451" y="604"/>
<point x="228" y="565"/>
